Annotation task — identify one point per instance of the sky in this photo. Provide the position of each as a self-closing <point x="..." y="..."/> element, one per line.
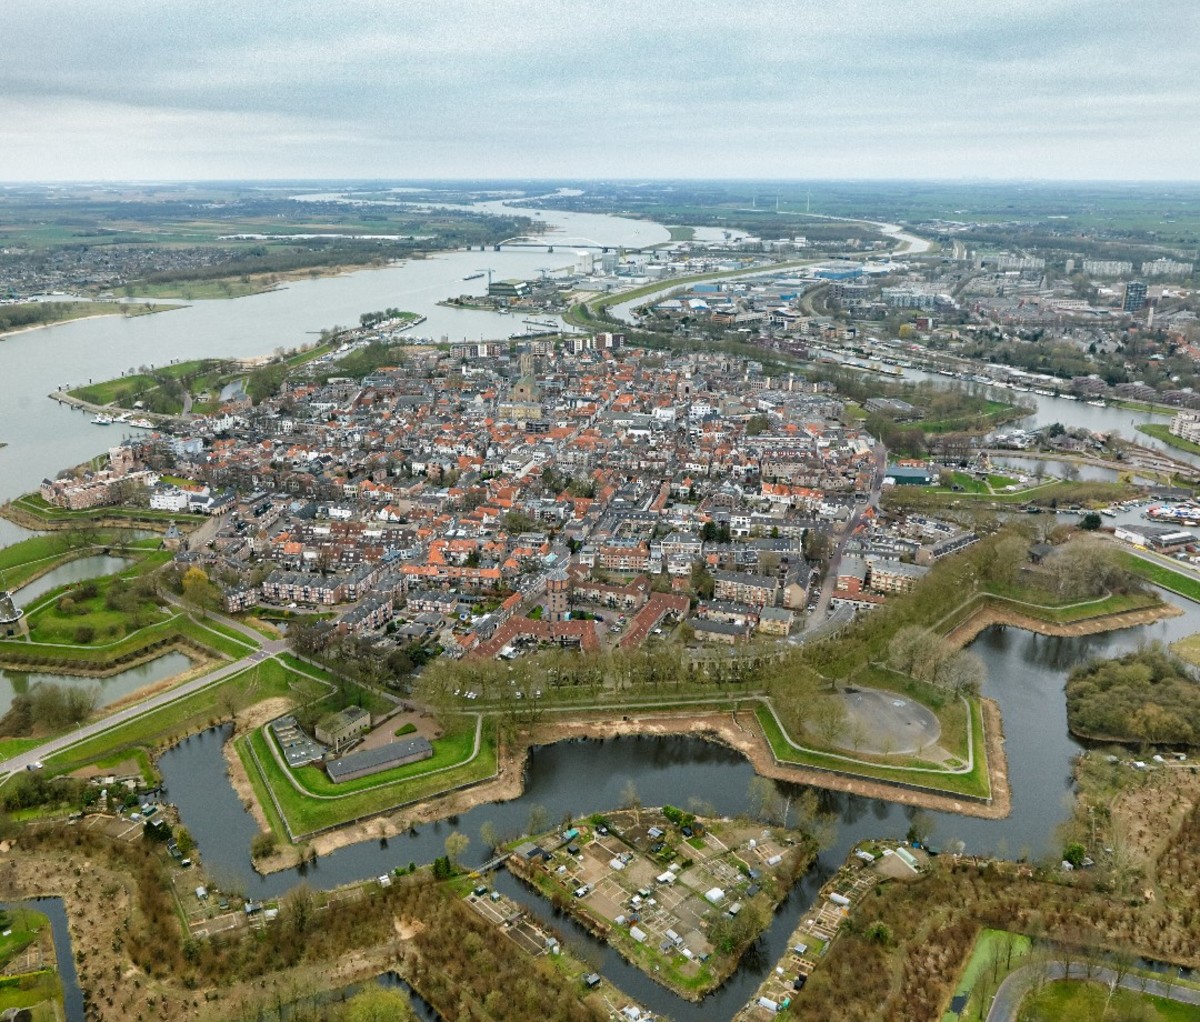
<point x="783" y="89"/>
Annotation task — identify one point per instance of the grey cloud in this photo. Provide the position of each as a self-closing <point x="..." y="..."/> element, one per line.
<point x="556" y="87"/>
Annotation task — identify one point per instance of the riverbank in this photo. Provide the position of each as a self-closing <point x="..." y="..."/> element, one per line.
<point x="73" y="310"/>
<point x="245" y="285"/>
<point x="1161" y="431"/>
<point x="997" y="613"/>
<point x="734" y="730"/>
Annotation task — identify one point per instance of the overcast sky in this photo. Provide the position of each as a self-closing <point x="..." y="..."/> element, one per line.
<point x="180" y="89"/>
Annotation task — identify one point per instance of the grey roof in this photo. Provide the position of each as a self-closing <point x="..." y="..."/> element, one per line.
<point x="776" y="614"/>
<point x="717" y="627"/>
<point x="379" y="758"/>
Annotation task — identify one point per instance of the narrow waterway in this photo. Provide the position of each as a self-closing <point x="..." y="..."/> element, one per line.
<point x="55" y="911"/>
<point x="110" y="689"/>
<point x="79" y="570"/>
<point x="1026" y="673"/>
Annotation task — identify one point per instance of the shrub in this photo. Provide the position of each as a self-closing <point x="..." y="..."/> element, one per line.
<point x="263" y="844"/>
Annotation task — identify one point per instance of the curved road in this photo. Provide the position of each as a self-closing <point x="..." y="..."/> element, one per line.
<point x="1014" y="988"/>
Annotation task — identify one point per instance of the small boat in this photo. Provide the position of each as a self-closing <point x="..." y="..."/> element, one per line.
<point x="472" y="276"/>
<point x="102" y="420"/>
<point x="141" y="423"/>
<point x="123" y="417"/>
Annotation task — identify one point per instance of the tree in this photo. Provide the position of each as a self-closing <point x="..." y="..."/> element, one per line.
<point x="757" y="424"/>
<point x="297" y="909"/>
<point x="828" y="718"/>
<point x="456" y="844"/>
<point x="538" y="820"/>
<point x="630" y="799"/>
<point x="920" y="826"/>
<point x="703" y="583"/>
<point x="198" y="592"/>
<point x="184" y="841"/>
<point x="1090" y="522"/>
<point x="488" y="835"/>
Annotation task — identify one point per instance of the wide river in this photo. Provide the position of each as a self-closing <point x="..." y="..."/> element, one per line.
<point x="1025" y="672"/>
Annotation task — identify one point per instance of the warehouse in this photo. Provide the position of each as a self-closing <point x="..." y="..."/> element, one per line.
<point x="373" y="761"/>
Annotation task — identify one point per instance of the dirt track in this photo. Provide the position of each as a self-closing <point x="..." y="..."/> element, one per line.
<point x="990" y="615"/>
<point x="737" y="731"/>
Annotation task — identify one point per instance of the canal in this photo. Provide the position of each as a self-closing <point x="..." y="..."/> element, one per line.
<point x="1026" y="673"/>
<point x="55" y="911"/>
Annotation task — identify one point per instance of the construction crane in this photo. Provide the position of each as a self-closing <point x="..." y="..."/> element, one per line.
<point x="489" y="271"/>
<point x="543" y="270"/>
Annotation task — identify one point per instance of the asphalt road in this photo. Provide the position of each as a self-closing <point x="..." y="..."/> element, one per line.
<point x="1013" y="990"/>
<point x="264" y="648"/>
<point x="819" y="613"/>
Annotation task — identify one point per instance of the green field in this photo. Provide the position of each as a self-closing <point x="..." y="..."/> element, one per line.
<point x="1055" y="493"/>
<point x="196" y="290"/>
<point x="975" y="783"/>
<point x="67" y="616"/>
<point x="39" y="991"/>
<point x="1070" y="1000"/>
<point x="1161" y="431"/>
<point x="162" y="389"/>
<point x="22" y="929"/>
<point x="991" y="946"/>
<point x="305" y="813"/>
<point x="1163" y="576"/>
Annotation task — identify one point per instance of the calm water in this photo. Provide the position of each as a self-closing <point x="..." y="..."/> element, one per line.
<point x="1026" y="674"/>
<point x="43" y="437"/>
<point x="92" y="566"/>
<point x="55" y="911"/>
<point x="111" y="688"/>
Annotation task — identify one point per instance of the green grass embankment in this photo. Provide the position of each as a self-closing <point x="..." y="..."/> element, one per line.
<point x="1037" y="605"/>
<point x="973" y="784"/>
<point x="1161" y="431"/>
<point x="1161" y="575"/>
<point x="33" y="512"/>
<point x="451" y="766"/>
<point x="1055" y="493"/>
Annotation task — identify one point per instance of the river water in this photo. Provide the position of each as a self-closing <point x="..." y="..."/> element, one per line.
<point x="1025" y="672"/>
